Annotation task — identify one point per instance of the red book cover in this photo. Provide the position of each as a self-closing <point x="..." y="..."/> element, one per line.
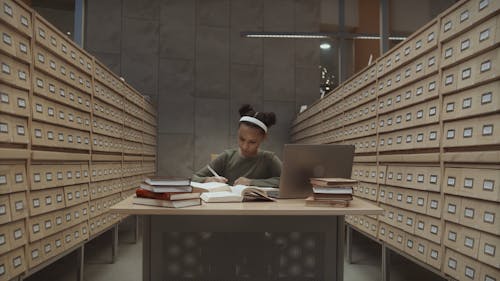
<point x="165" y="195"/>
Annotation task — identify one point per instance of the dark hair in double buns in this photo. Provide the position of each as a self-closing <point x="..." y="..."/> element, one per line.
<point x="268" y="118"/>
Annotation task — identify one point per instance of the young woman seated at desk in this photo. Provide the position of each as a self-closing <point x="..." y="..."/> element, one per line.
<point x="246" y="165"/>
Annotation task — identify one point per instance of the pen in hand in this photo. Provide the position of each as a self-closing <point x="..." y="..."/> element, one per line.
<point x="215" y="174"/>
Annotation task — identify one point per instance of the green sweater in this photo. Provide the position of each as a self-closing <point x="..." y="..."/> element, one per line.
<point x="263" y="170"/>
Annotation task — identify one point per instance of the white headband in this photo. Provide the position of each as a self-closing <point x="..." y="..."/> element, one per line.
<point x="254" y="121"/>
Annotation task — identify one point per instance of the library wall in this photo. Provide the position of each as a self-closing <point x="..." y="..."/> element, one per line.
<point x="74" y="140"/>
<point x="424" y="119"/>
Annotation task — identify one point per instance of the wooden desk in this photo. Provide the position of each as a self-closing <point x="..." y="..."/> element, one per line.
<point x="235" y="221"/>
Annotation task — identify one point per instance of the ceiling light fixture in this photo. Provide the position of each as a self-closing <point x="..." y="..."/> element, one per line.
<point x="325" y="46"/>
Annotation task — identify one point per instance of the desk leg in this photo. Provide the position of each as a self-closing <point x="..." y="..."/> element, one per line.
<point x="80" y="252"/>
<point x="114" y="243"/>
<point x="136" y="228"/>
<point x="349" y="244"/>
<point x="386" y="262"/>
<point x="340" y="248"/>
<point x="146" y="248"/>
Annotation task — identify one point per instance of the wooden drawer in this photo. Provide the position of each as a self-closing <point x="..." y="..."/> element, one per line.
<point x="150" y="117"/>
<point x="14" y="72"/>
<point x="429" y="228"/>
<point x="361" y="129"/>
<point x="15" y="44"/>
<point x="465" y="15"/>
<point x="55" y="113"/>
<point x="107" y="144"/>
<point x="472" y="132"/>
<point x="130" y="147"/>
<point x="488" y="249"/>
<point x="416" y="115"/>
<point x="61" y="69"/>
<point x="12" y="264"/>
<point x="76" y="194"/>
<point x="54" y="136"/>
<point x="132" y="168"/>
<point x="474" y="183"/>
<point x="149" y="139"/>
<point x="133" y="96"/>
<point x="18" y="206"/>
<point x="333" y="123"/>
<point x="417" y="138"/>
<point x="108" y="128"/>
<point x="5" y="210"/>
<point x="106" y="171"/>
<point x="13" y="129"/>
<point x="131" y="182"/>
<point x="366" y="173"/>
<point x="49" y="37"/>
<point x="104" y="188"/>
<point x="472" y="72"/>
<point x="414" y="93"/>
<point x="476" y="101"/>
<point x="460" y="267"/>
<point x="360" y="97"/>
<point x="55" y="90"/>
<point x="404" y="198"/>
<point x="150" y="129"/>
<point x="12" y="235"/>
<point x="131" y="108"/>
<point x="333" y="110"/>
<point x="364" y="145"/>
<point x="12" y="177"/>
<point x="479" y="38"/>
<point x="46" y="200"/>
<point x="462" y="239"/>
<point x="103" y="75"/>
<point x="435" y="204"/>
<point x="108" y="112"/>
<point x="132" y="122"/>
<point x="481" y="215"/>
<point x="414" y="177"/>
<point x="420" y="42"/>
<point x="362" y="112"/>
<point x="133" y="135"/>
<point x="14" y="101"/>
<point x="435" y="255"/>
<point x="107" y="95"/>
<point x="17" y="16"/>
<point x="52" y="175"/>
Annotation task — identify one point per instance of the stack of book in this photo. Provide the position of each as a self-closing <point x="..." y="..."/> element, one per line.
<point x="166" y="192"/>
<point x="331" y="192"/>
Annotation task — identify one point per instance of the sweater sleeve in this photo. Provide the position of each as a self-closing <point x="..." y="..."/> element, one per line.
<point x="275" y="171"/>
<point x="217" y="164"/>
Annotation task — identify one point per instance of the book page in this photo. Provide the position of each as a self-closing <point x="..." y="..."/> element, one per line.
<point x="211" y="186"/>
<point x="221" y="196"/>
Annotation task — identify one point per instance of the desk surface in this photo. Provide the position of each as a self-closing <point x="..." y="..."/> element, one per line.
<point x="282" y="207"/>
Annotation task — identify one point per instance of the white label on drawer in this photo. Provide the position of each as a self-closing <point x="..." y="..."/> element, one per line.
<point x="430" y="37"/>
<point x="21" y="74"/>
<point x="41" y="58"/>
<point x="420" y="114"/>
<point x="59" y="175"/>
<point x="7" y="9"/>
<point x="409" y="221"/>
<point x="421" y="248"/>
<point x="7" y="39"/>
<point x="48" y="248"/>
<point x="36" y="202"/>
<point x="467" y="132"/>
<point x="19" y="205"/>
<point x="449" y="79"/>
<point x="4" y="97"/>
<point x="433" y="179"/>
<point x="450" y="134"/>
<point x="23" y="47"/>
<point x="421" y="225"/>
<point x="487" y="130"/>
<point x="483" y="4"/>
<point x="489" y="217"/>
<point x="418" y="67"/>
<point x="485" y="34"/>
<point x="452" y="263"/>
<point x="18" y="233"/>
<point x="52" y="65"/>
<point x="434" y="254"/>
<point x="409" y="199"/>
<point x="418" y="44"/>
<point x="485" y="66"/>
<point x="469" y="213"/>
<point x="466" y="103"/>
<point x="408" y="116"/>
<point x="452" y="208"/>
<point x="408" y="72"/>
<point x="61" y="136"/>
<point x="420" y="201"/>
<point x="400" y="218"/>
<point x="451" y="181"/>
<point x="58" y="220"/>
<point x="488" y="184"/>
<point x="431" y="61"/>
<point x="399" y="197"/>
<point x="486" y="98"/>
<point x="3" y="179"/>
<point x="464" y="15"/>
<point x="17" y="261"/>
<point x="50" y="136"/>
<point x="448" y="52"/>
<point x="38" y="107"/>
<point x="469" y="242"/>
<point x="465" y="45"/>
<point x="68" y="217"/>
<point x="409" y="243"/>
<point x="53" y="41"/>
<point x="469" y="272"/>
<point x="62" y="93"/>
<point x="466" y="73"/>
<point x="61" y="115"/>
<point x="63" y="70"/>
<point x="37" y="177"/>
<point x="36" y="228"/>
<point x="58" y="243"/>
<point x="5" y="68"/>
<point x="468" y="183"/>
<point x="48" y="200"/>
<point x="434" y="229"/>
<point x="420" y="178"/>
<point x="489" y="249"/>
<point x="450" y="107"/>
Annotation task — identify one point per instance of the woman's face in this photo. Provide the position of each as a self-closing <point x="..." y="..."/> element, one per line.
<point x="249" y="140"/>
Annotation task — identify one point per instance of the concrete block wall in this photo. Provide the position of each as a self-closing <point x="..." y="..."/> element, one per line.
<point x="189" y="57"/>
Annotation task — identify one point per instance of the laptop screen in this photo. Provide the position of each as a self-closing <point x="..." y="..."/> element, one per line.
<point x="304" y="161"/>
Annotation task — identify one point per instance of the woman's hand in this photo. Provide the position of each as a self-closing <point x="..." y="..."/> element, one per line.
<point x="216" y="179"/>
<point x="242" y="181"/>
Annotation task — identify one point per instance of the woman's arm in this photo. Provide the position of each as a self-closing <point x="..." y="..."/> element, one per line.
<point x="217" y="164"/>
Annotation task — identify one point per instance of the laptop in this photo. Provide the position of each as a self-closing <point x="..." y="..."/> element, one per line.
<point x="304" y="161"/>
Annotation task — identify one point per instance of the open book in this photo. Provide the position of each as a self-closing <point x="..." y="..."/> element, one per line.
<point x="221" y="192"/>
